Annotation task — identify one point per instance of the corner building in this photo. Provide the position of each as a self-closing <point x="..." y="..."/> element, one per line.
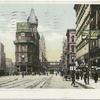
<point x="27" y="45"/>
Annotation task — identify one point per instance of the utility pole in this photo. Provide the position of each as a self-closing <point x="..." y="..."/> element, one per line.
<point x="89" y="47"/>
<point x="89" y="64"/>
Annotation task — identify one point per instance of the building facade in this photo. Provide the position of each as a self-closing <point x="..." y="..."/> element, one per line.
<point x="64" y="56"/>
<point x="42" y="53"/>
<point x="10" y="68"/>
<point x="87" y="26"/>
<point x="27" y="45"/>
<point x="71" y="48"/>
<point x="2" y="60"/>
<point x="42" y="48"/>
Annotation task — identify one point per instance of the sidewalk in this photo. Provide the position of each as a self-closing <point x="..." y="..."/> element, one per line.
<point x="92" y="84"/>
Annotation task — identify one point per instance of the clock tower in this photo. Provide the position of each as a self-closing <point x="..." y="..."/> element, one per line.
<point x="27" y="45"/>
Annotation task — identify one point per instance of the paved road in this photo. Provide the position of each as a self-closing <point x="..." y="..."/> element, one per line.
<point x="50" y="81"/>
<point x="59" y="82"/>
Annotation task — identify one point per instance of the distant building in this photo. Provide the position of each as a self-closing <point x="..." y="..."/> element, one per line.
<point x="42" y="48"/>
<point x="2" y="60"/>
<point x="10" y="68"/>
<point x="27" y="45"/>
<point x="64" y="56"/>
<point x="71" y="47"/>
<point x="42" y="52"/>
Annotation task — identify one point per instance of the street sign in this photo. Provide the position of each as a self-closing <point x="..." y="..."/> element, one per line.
<point x="72" y="67"/>
<point x="94" y="34"/>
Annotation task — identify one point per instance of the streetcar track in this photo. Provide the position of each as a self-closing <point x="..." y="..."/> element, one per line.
<point x="13" y="82"/>
<point x="22" y="83"/>
<point x="11" y="85"/>
<point x="8" y="82"/>
<point x="36" y="83"/>
<point x="46" y="82"/>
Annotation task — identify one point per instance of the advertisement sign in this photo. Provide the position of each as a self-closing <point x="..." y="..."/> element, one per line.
<point x="23" y="27"/>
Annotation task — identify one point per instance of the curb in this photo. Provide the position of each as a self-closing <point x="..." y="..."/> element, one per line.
<point x="85" y="86"/>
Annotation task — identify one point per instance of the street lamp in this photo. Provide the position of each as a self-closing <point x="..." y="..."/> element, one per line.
<point x="23" y="56"/>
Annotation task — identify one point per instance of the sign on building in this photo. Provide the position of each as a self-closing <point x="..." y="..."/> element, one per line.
<point x="23" y="27"/>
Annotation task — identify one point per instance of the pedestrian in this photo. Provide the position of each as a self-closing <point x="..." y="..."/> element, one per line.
<point x="62" y="73"/>
<point x="47" y="73"/>
<point x="73" y="78"/>
<point x="56" y="73"/>
<point x="22" y="74"/>
<point x="95" y="76"/>
<point x="65" y="75"/>
<point x="85" y="77"/>
<point x="77" y="75"/>
<point x="81" y="75"/>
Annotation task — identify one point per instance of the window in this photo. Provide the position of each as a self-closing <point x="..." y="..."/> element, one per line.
<point x="19" y="37"/>
<point x="19" y="58"/>
<point x="72" y="38"/>
<point x="72" y="48"/>
<point x="23" y="48"/>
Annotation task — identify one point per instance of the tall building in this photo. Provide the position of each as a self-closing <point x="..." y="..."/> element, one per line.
<point x="71" y="48"/>
<point x="2" y="60"/>
<point x="27" y="45"/>
<point x="87" y="26"/>
<point x="42" y="48"/>
<point x="42" y="53"/>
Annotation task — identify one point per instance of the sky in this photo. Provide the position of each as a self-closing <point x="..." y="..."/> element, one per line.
<point x="53" y="19"/>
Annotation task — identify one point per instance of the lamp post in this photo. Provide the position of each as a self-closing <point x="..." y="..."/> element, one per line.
<point x="23" y="60"/>
<point x="89" y="63"/>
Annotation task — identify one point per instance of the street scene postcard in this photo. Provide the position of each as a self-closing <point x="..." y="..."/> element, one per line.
<point x="49" y="46"/>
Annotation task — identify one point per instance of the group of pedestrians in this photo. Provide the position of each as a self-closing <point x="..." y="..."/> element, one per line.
<point x="95" y="77"/>
<point x="76" y="75"/>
